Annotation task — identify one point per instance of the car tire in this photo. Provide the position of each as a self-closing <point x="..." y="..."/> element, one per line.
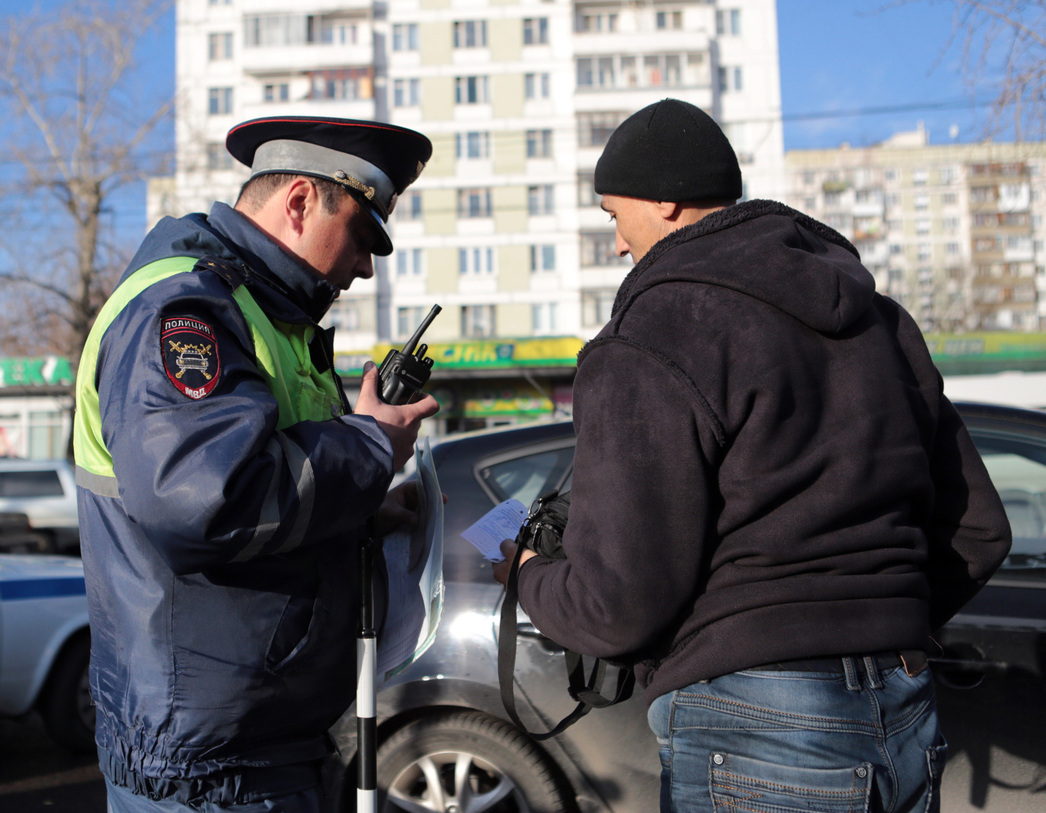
<point x="422" y="767"/>
<point x="65" y="703"/>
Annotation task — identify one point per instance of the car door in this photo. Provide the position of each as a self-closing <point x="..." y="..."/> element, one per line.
<point x="615" y="744"/>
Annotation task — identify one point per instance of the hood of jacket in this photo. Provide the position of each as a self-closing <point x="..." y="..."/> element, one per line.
<point x="770" y="252"/>
<point x="285" y="290"/>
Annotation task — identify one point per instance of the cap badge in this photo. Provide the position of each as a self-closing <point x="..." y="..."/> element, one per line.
<point x="342" y="177"/>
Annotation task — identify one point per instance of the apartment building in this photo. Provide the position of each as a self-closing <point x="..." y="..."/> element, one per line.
<point x="953" y="232"/>
<point x="503" y="229"/>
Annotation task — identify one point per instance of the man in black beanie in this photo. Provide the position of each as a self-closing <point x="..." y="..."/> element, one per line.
<point x="773" y="505"/>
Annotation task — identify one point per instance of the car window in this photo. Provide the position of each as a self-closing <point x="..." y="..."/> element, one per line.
<point x="528" y="477"/>
<point x="30" y="484"/>
<point x="1018" y="469"/>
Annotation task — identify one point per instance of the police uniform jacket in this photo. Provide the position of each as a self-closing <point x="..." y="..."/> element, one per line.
<point x="767" y="468"/>
<point x="220" y="560"/>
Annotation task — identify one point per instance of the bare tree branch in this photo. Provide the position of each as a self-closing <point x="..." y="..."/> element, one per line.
<point x="77" y="118"/>
<point x="1003" y="49"/>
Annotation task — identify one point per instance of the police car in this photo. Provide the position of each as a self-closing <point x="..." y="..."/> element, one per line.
<point x="45" y="645"/>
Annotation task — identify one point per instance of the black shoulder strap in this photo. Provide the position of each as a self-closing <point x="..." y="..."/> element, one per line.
<point x="228" y="271"/>
<point x="586" y="693"/>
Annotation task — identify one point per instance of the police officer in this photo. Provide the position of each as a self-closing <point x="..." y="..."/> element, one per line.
<point x="225" y="483"/>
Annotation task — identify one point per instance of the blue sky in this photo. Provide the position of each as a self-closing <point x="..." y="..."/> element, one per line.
<point x="849" y="55"/>
<point x="836" y="56"/>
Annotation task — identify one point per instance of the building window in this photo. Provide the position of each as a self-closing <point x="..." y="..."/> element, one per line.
<point x="470" y="34"/>
<point x="344" y="315"/>
<point x="596" y="307"/>
<point x="474" y="202"/>
<point x="586" y="190"/>
<point x="406" y="92"/>
<point x="478" y="321"/>
<point x="473" y="145"/>
<point x="404" y="36"/>
<point x="585" y="23"/>
<point x="408" y="319"/>
<point x="219" y="101"/>
<point x="664" y="20"/>
<point x="276" y="92"/>
<point x="731" y="80"/>
<point x="922" y="202"/>
<point x="218" y="157"/>
<point x="598" y="249"/>
<point x="409" y="262"/>
<point x="475" y="261"/>
<point x="219" y="46"/>
<point x="347" y="84"/>
<point x="535" y="31"/>
<point x="470" y="90"/>
<point x="544" y="318"/>
<point x="539" y="143"/>
<point x="653" y="70"/>
<point x="728" y="21"/>
<point x="541" y="200"/>
<point x="594" y="129"/>
<point x="409" y="206"/>
<point x="536" y="85"/>
<point x="542" y="258"/>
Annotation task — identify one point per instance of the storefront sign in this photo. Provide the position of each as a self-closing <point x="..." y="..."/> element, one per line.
<point x="987" y="352"/>
<point x="481" y="355"/>
<point x="36" y="372"/>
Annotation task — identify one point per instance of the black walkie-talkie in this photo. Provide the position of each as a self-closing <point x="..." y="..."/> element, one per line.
<point x="404" y="372"/>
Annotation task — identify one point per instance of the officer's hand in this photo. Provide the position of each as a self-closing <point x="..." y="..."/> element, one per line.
<point x="400" y="508"/>
<point x="400" y="423"/>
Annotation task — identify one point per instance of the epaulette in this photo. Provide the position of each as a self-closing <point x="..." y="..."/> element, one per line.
<point x="229" y="271"/>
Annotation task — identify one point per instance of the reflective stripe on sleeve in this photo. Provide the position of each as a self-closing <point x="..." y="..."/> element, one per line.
<point x="101" y="484"/>
<point x="284" y="451"/>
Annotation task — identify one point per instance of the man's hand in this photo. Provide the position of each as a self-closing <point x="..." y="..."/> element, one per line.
<point x="400" y="423"/>
<point x="399" y="508"/>
<point x="504" y="567"/>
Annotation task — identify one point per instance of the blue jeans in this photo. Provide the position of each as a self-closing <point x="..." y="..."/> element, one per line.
<point x="862" y="739"/>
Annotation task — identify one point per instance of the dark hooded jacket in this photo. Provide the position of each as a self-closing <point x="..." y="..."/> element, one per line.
<point x="766" y="469"/>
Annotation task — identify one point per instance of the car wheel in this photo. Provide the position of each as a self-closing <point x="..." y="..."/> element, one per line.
<point x="65" y="704"/>
<point x="470" y="763"/>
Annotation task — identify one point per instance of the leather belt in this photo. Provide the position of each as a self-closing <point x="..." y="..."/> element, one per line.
<point x="913" y="662"/>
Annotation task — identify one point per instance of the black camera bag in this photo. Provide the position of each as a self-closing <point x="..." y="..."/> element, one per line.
<point x="542" y="532"/>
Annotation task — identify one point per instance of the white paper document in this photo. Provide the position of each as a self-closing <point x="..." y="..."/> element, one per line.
<point x="414" y="559"/>
<point x="500" y="523"/>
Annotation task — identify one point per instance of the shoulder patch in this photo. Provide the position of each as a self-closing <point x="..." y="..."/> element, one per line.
<point x="190" y="355"/>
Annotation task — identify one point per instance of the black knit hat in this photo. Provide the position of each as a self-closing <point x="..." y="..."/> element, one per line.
<point x="372" y="160"/>
<point x="672" y="151"/>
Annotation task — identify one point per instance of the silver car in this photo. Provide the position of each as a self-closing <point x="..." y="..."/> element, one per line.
<point x="444" y="739"/>
<point x="45" y="491"/>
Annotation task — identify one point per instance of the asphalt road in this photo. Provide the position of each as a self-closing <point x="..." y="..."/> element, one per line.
<point x="36" y="775"/>
<point x="996" y="761"/>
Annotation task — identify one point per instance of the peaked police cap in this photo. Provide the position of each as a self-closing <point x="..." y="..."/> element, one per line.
<point x="372" y="160"/>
